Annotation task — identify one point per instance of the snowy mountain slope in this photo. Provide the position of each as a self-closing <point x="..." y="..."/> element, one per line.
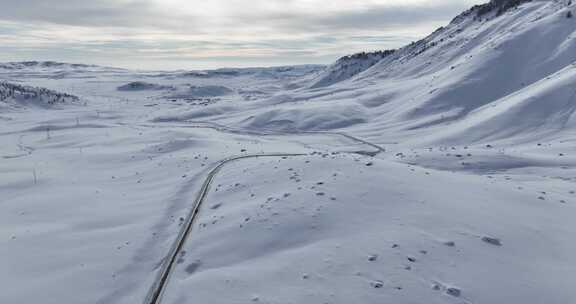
<point x="49" y="70"/>
<point x="42" y="65"/>
<point x="14" y="68"/>
<point x="482" y="56"/>
<point x="512" y="51"/>
<point x="471" y="63"/>
<point x="348" y="66"/>
<point x="537" y="111"/>
<point x="16" y="96"/>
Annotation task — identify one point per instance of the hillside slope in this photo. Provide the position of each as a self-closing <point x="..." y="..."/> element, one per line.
<point x="485" y="54"/>
<point x="534" y="112"/>
<point x="15" y="96"/>
<point x="348" y="67"/>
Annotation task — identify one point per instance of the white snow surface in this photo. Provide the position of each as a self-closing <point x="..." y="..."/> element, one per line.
<point x="19" y="96"/>
<point x="473" y="201"/>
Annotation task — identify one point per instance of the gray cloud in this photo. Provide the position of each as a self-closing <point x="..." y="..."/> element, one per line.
<point x="82" y="13"/>
<point x="146" y="14"/>
<point x="107" y="30"/>
<point x="374" y="18"/>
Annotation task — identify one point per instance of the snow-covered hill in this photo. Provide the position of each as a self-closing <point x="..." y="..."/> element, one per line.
<point x="16" y="96"/>
<point x="41" y="64"/>
<point x="136" y="86"/>
<point x="485" y="54"/>
<point x="49" y="65"/>
<point x="274" y="72"/>
<point x="349" y="66"/>
<point x="538" y="111"/>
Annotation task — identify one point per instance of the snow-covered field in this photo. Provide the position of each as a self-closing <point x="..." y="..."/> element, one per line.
<point x="442" y="172"/>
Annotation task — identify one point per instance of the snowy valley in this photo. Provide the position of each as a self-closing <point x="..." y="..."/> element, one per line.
<point x="440" y="172"/>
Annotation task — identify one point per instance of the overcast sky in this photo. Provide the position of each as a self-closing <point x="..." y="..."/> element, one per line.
<point x="196" y="34"/>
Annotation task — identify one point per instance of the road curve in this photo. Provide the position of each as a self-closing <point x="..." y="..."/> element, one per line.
<point x="264" y="132"/>
<point x="156" y="291"/>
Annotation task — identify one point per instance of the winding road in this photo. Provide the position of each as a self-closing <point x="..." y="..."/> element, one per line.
<point x="169" y="262"/>
<point x="263" y="132"/>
